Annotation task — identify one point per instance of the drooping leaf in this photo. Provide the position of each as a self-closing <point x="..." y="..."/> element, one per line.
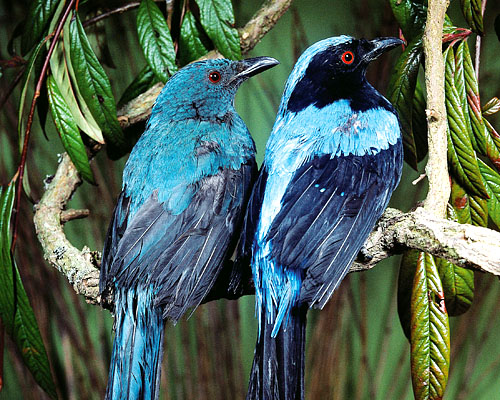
<point x="411" y="17"/>
<point x="68" y="131"/>
<point x="407" y="269"/>
<point x="419" y="122"/>
<point x="15" y="311"/>
<point x="473" y="108"/>
<point x="142" y="82"/>
<point x="155" y="40"/>
<point x="30" y="66"/>
<point x="37" y="22"/>
<point x="94" y="85"/>
<point x="217" y="18"/>
<point x="492" y="106"/>
<point x="492" y="181"/>
<point x="459" y="200"/>
<point x="430" y="332"/>
<point x="60" y="66"/>
<point x="191" y="43"/>
<point x="471" y="9"/>
<point x="478" y="210"/>
<point x="458" y="286"/>
<point x="401" y="91"/>
<point x="462" y="159"/>
<point x="492" y="144"/>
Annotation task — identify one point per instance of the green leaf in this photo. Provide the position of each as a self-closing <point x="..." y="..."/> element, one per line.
<point x="401" y="92"/>
<point x="15" y="310"/>
<point x="411" y="17"/>
<point x="60" y="66"/>
<point x="492" y="106"/>
<point x="68" y="131"/>
<point x="217" y="18"/>
<point x="459" y="200"/>
<point x="94" y="85"/>
<point x="30" y="66"/>
<point x="471" y="9"/>
<point x="407" y="270"/>
<point x="191" y="45"/>
<point x="492" y="181"/>
<point x="142" y="82"/>
<point x="462" y="159"/>
<point x="37" y="22"/>
<point x="155" y="40"/>
<point x="430" y="332"/>
<point x="458" y="286"/>
<point x="419" y="122"/>
<point x="492" y="144"/>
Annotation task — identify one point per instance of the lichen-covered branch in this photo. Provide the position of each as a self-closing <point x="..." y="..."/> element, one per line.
<point x="436" y="169"/>
<point x="262" y="22"/>
<point x="465" y="245"/>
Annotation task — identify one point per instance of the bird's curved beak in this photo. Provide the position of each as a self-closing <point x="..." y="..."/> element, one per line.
<point x="379" y="46"/>
<point x="252" y="66"/>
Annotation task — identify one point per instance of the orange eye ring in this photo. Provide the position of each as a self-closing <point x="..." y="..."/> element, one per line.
<point x="214" y="76"/>
<point x="348" y="57"/>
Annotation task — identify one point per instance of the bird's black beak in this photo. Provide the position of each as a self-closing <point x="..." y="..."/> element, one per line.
<point x="379" y="46"/>
<point x="252" y="66"/>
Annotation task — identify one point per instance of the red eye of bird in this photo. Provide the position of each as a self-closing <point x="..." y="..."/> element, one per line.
<point x="347" y="57"/>
<point x="214" y="76"/>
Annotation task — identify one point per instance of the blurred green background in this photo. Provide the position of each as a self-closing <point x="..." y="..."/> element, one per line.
<point x="355" y="347"/>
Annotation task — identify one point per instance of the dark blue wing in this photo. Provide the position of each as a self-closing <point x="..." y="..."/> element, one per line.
<point x="180" y="255"/>
<point x="329" y="208"/>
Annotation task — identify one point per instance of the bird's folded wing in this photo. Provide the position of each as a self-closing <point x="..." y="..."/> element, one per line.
<point x="328" y="210"/>
<point x="180" y="254"/>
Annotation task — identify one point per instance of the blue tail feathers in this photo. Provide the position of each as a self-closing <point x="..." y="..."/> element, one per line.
<point x="138" y="347"/>
<point x="278" y="366"/>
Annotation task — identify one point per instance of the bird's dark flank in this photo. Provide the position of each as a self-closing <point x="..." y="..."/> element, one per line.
<point x="185" y="187"/>
<point x="332" y="161"/>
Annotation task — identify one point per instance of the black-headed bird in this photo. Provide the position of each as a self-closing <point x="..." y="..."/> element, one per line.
<point x="185" y="188"/>
<point x="332" y="161"/>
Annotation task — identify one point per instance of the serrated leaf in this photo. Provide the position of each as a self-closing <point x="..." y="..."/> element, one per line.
<point x="191" y="45"/>
<point x="492" y="144"/>
<point x="155" y="40"/>
<point x="411" y="17"/>
<point x="407" y="269"/>
<point x="458" y="286"/>
<point x="473" y="108"/>
<point x="59" y="67"/>
<point x="37" y="21"/>
<point x="94" y="84"/>
<point x="462" y="159"/>
<point x="492" y="182"/>
<point x="15" y="311"/>
<point x="492" y="106"/>
<point x="430" y="332"/>
<point x="471" y="9"/>
<point x="419" y="122"/>
<point x="68" y="131"/>
<point x="142" y="82"/>
<point x="401" y="91"/>
<point x="459" y="200"/>
<point x="479" y="211"/>
<point x="217" y="18"/>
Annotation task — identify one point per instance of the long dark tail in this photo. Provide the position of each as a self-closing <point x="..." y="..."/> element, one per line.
<point x="278" y="364"/>
<point x="137" y="349"/>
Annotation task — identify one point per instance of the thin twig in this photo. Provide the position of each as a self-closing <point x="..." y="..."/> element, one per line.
<point x="24" y="153"/>
<point x="118" y="10"/>
<point x="478" y="44"/>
